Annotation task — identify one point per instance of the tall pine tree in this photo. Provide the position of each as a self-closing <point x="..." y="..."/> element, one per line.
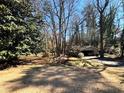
<point x="18" y="30"/>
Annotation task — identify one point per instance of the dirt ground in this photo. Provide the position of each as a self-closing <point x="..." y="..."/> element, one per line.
<point x="112" y="73"/>
<point x="55" y="79"/>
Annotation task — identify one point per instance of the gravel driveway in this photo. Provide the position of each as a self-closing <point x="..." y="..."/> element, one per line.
<point x="54" y="79"/>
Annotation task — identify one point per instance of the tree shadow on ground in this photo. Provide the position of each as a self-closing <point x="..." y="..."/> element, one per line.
<point x="62" y="80"/>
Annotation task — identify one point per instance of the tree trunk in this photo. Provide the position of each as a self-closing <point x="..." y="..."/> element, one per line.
<point x="101" y="36"/>
<point x="122" y="44"/>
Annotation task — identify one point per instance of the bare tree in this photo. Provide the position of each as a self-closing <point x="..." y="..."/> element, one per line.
<point x="89" y="14"/>
<point x="122" y="35"/>
<point x="110" y="27"/>
<point x="59" y="13"/>
<point x="75" y="37"/>
<point x="101" y="6"/>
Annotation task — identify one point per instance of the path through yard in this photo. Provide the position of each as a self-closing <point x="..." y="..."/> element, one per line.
<point x="55" y="79"/>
